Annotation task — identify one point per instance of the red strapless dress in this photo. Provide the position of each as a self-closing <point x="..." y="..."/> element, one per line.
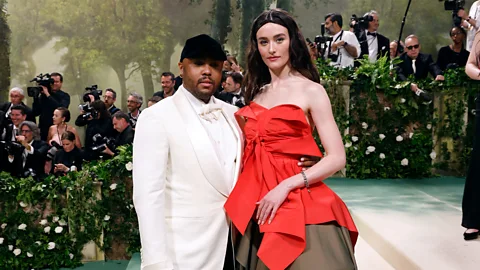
<point x="275" y="140"/>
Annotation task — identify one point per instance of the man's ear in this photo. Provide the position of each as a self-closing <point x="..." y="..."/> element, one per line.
<point x="180" y="66"/>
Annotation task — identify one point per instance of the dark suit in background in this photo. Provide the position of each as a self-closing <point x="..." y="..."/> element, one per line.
<point x="382" y="41"/>
<point x="30" y="117"/>
<point x="35" y="161"/>
<point x="424" y="65"/>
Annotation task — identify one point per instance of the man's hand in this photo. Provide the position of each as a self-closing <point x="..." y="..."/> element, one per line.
<point x="414" y="87"/>
<point x="108" y="151"/>
<point x="337" y="45"/>
<point x="60" y="168"/>
<point x="45" y="91"/>
<point x="235" y="67"/>
<point x="313" y="50"/>
<point x="307" y="161"/>
<point x="92" y="98"/>
<point x="20" y="139"/>
<point x="439" y="78"/>
<point x="462" y="14"/>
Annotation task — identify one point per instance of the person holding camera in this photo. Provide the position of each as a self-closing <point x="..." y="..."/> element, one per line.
<point x="344" y="47"/>
<point x="98" y="121"/>
<point x="28" y="159"/>
<point x="69" y="157"/>
<point x="109" y="98"/>
<point x="372" y="43"/>
<point x="8" y="133"/>
<point x="121" y="123"/>
<point x="48" y="101"/>
<point x="16" y="95"/>
<point x="471" y="21"/>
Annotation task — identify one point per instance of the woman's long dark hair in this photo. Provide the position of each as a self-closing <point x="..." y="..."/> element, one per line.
<point x="101" y="108"/>
<point x="257" y="74"/>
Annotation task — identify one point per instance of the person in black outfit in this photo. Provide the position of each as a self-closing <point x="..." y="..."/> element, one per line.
<point x="30" y="159"/>
<point x="100" y="124"/>
<point x="232" y="92"/>
<point x="44" y="105"/>
<point x="69" y="158"/>
<point x="16" y="98"/>
<point x="453" y="55"/>
<point x="121" y="123"/>
<point x="372" y="43"/>
<point x="168" y="85"/>
<point x="109" y="98"/>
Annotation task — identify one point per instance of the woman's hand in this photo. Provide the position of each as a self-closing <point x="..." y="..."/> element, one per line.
<point x="269" y="204"/>
<point x="60" y="167"/>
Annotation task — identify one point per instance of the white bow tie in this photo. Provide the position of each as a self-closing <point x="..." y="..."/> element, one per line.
<point x="210" y="112"/>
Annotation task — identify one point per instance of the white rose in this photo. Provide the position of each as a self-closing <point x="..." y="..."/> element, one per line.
<point x="129" y="166"/>
<point x="43" y="222"/>
<point x="131" y="206"/>
<point x="56" y="219"/>
<point x="62" y="222"/>
<point x="71" y="256"/>
<point x="354" y="138"/>
<point x="58" y="229"/>
<point x="29" y="254"/>
<point x="51" y="245"/>
<point x="22" y="204"/>
<point x="38" y="243"/>
<point x="410" y="135"/>
<point x="399" y="138"/>
<point x="382" y="155"/>
<point x="371" y="149"/>
<point x="404" y="162"/>
<point x="1" y="240"/>
<point x="364" y="125"/>
<point x="10" y="247"/>
<point x="4" y="225"/>
<point x="429" y="126"/>
<point x="46" y="229"/>
<point x="73" y="168"/>
<point x="106" y="218"/>
<point x="381" y="136"/>
<point x="17" y="251"/>
<point x="348" y="144"/>
<point x="22" y="227"/>
<point x="433" y="155"/>
<point x="402" y="100"/>
<point x="386" y="108"/>
<point x="113" y="186"/>
<point x="367" y="152"/>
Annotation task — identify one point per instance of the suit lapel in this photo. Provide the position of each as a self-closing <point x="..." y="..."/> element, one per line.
<point x="202" y="145"/>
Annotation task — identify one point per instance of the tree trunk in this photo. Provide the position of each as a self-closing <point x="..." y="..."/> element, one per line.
<point x="286" y="5"/>
<point x="147" y="81"/>
<point x="164" y="59"/>
<point x="120" y="71"/>
<point x="251" y="9"/>
<point x="221" y="20"/>
<point x="4" y="52"/>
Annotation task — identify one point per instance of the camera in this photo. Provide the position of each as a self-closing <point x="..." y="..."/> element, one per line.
<point x="454" y="6"/>
<point x="53" y="150"/>
<point x="360" y="24"/>
<point x="88" y="111"/>
<point x="321" y="40"/>
<point x="29" y="172"/>
<point x="12" y="148"/>
<point x="41" y="80"/>
<point x="92" y="90"/>
<point x="101" y="143"/>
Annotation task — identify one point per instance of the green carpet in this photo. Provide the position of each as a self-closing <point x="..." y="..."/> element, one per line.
<point x="108" y="265"/>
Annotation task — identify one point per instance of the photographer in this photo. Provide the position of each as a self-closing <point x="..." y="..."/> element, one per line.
<point x="109" y="98"/>
<point x="344" y="47"/>
<point x="98" y="121"/>
<point x="30" y="159"/>
<point x="69" y="157"/>
<point x="121" y="123"/>
<point x="134" y="103"/>
<point x="16" y="98"/>
<point x="371" y="43"/>
<point x="48" y="101"/>
<point x="8" y="133"/>
<point x="471" y="22"/>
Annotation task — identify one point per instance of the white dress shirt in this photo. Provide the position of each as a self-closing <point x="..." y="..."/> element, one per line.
<point x="474" y="13"/>
<point x="372" y="43"/>
<point x="344" y="58"/>
<point x="221" y="135"/>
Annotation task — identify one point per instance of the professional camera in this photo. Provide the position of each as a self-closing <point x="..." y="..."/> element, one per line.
<point x="101" y="143"/>
<point x="360" y="24"/>
<point x="12" y="148"/>
<point x="321" y="40"/>
<point x="454" y="6"/>
<point x="92" y="90"/>
<point x="53" y="150"/>
<point x="88" y="111"/>
<point x="41" y="80"/>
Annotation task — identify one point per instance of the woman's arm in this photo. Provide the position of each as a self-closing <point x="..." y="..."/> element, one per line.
<point x="78" y="143"/>
<point x="472" y="69"/>
<point x="50" y="135"/>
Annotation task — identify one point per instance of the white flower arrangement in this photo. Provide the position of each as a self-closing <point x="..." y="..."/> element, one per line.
<point x="404" y="162"/>
<point x="1" y="240"/>
<point x="367" y="152"/>
<point x="410" y="135"/>
<point x="364" y="125"/>
<point x="399" y="138"/>
<point x="17" y="251"/>
<point x="382" y="156"/>
<point x="113" y="186"/>
<point x="43" y="222"/>
<point x="38" y="243"/>
<point x="371" y="149"/>
<point x="433" y="155"/>
<point x="129" y="166"/>
<point x="56" y="219"/>
<point x="58" y="229"/>
<point x="429" y="126"/>
<point x="354" y="138"/>
<point x="47" y="229"/>
<point x="22" y="226"/>
<point x="348" y="144"/>
<point x="62" y="222"/>
<point x="29" y="254"/>
<point x="23" y="205"/>
<point x="386" y="108"/>
<point x="51" y="245"/>
<point x="381" y="136"/>
<point x="402" y="100"/>
<point x="4" y="225"/>
<point x="10" y="247"/>
<point x="106" y="218"/>
<point x="71" y="256"/>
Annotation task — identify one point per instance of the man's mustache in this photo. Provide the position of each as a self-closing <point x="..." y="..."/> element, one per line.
<point x="206" y="79"/>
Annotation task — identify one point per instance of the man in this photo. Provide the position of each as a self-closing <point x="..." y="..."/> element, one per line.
<point x="372" y="43"/>
<point x="344" y="48"/>
<point x="134" y="102"/>
<point x="16" y="98"/>
<point x="153" y="100"/>
<point x="168" y="85"/>
<point x="232" y="92"/>
<point x="471" y="21"/>
<point x="394" y="53"/>
<point x="18" y="114"/>
<point x="186" y="158"/>
<point x="109" y="99"/>
<point x="121" y="123"/>
<point x="48" y="102"/>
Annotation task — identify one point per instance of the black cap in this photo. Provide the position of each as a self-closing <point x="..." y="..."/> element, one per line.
<point x="202" y="46"/>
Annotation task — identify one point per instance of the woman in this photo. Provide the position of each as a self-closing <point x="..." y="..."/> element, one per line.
<point x="61" y="117"/>
<point x="69" y="157"/>
<point x="289" y="217"/>
<point x="471" y="198"/>
<point x="453" y="55"/>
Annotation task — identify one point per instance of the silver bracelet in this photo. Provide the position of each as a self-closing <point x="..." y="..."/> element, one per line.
<point x="305" y="181"/>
